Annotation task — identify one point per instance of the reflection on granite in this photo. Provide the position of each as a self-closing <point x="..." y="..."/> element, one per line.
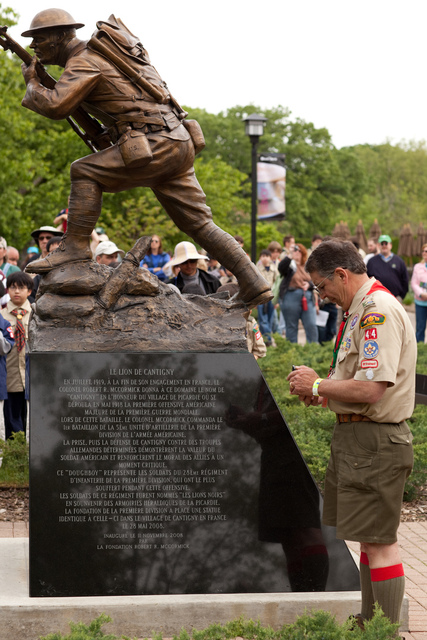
<point x="170" y="473"/>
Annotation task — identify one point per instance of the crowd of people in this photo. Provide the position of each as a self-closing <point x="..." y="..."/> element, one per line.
<point x="296" y="299"/>
<point x="297" y="302"/>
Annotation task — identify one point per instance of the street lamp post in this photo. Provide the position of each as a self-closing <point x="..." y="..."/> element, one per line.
<point x="254" y="128"/>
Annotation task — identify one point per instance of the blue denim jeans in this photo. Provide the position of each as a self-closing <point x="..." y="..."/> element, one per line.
<point x="420" y="321"/>
<point x="265" y="319"/>
<point x="291" y="306"/>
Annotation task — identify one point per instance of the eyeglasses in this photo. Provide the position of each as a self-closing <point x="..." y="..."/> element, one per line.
<point x="384" y="244"/>
<point x="318" y="287"/>
<point x="297" y="249"/>
<point x="157" y="241"/>
<point x="45" y="237"/>
<point x="18" y="287"/>
<point x="191" y="261"/>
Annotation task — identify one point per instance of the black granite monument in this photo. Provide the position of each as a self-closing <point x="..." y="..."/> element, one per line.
<point x="170" y="473"/>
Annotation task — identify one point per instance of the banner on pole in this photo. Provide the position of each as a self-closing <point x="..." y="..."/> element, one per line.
<point x="271" y="178"/>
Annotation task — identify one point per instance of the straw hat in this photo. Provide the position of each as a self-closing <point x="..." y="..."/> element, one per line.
<point x="185" y="251"/>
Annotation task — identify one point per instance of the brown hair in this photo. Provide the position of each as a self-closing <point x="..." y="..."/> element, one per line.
<point x="160" y="249"/>
<point x="304" y="253"/>
<point x="335" y="253"/>
<point x="274" y="246"/>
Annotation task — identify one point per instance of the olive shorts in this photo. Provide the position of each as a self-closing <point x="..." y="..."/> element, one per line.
<point x="365" y="479"/>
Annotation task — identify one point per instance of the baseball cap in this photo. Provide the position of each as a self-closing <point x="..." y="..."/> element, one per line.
<point x="384" y="238"/>
<point x="108" y="248"/>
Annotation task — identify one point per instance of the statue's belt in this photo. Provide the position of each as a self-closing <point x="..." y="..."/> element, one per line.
<point x="155" y="118"/>
<point x="145" y="123"/>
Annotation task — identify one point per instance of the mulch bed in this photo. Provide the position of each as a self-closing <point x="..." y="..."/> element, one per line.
<point x="13" y="505"/>
<point x="416" y="510"/>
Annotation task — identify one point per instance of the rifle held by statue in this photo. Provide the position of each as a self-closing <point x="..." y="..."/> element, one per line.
<point x="86" y="127"/>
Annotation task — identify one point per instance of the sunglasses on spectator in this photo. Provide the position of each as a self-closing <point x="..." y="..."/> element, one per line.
<point x="296" y="249"/>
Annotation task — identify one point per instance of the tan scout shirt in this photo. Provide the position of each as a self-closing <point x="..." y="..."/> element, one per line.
<point x="15" y="361"/>
<point x="254" y="339"/>
<point x="269" y="274"/>
<point x="378" y="344"/>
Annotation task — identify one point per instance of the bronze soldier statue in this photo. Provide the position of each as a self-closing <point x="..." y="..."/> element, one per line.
<point x="150" y="146"/>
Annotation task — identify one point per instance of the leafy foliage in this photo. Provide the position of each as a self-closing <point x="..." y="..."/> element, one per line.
<point x="316" y="625"/>
<point x="8" y="16"/>
<point x="14" y="469"/>
<point x="80" y="631"/>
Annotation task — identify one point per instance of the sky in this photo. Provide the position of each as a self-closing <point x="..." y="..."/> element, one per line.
<point x="356" y="68"/>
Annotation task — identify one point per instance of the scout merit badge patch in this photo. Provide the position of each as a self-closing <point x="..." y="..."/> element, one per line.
<point x="370" y="319"/>
<point x="369" y="302"/>
<point x="370" y="349"/>
<point x="369" y="364"/>
<point x="371" y="334"/>
<point x="354" y="321"/>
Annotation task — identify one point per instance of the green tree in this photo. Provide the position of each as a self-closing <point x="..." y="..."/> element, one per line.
<point x="317" y="174"/>
<point x="35" y="158"/>
<point x="396" y="189"/>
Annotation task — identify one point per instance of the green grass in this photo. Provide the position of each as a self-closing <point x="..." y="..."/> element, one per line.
<point x="316" y="625"/>
<point x="312" y="427"/>
<point x="14" y="470"/>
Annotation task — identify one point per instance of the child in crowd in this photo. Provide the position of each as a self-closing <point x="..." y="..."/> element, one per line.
<point x="17" y="313"/>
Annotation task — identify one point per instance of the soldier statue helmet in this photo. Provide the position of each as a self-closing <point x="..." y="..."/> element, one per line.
<point x="51" y="19"/>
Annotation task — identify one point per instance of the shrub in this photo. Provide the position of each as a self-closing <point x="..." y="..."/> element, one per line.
<point x="80" y="631"/>
<point x="317" y="625"/>
<point x="14" y="469"/>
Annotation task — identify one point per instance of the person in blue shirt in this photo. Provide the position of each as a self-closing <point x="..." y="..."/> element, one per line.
<point x="156" y="258"/>
<point x="389" y="269"/>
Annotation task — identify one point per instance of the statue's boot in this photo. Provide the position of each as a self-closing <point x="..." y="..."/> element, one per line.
<point x="253" y="288"/>
<point x="83" y="213"/>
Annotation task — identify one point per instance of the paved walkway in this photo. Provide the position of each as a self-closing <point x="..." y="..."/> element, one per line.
<point x="413" y="545"/>
<point x="412" y="538"/>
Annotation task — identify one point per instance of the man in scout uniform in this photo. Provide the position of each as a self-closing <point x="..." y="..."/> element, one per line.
<point x="152" y="146"/>
<point x="371" y="388"/>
